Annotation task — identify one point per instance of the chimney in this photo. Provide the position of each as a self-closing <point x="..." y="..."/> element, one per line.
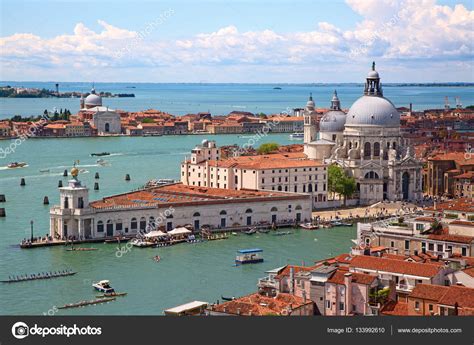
<point x="348" y="294"/>
<point x="292" y="280"/>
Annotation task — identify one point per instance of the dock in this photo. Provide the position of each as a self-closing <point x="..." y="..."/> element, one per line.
<point x="39" y="276"/>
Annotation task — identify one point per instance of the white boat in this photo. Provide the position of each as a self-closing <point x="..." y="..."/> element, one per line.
<point x="309" y="226"/>
<point x="14" y="165"/>
<point x="103" y="286"/>
<point x="297" y="136"/>
<point x="136" y="242"/>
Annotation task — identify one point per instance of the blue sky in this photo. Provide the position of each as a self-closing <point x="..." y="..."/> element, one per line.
<point x="242" y="41"/>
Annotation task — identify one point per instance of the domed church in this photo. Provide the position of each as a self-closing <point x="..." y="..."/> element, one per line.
<point x="366" y="142"/>
<point x="107" y="121"/>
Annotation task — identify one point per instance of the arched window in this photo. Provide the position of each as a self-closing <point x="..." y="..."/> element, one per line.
<point x="249" y="210"/>
<point x="298" y="207"/>
<point x="119" y="225"/>
<point x="107" y="127"/>
<point x="296" y="189"/>
<point x="151" y="222"/>
<point x="367" y="150"/>
<point x="169" y="216"/>
<point x="310" y="188"/>
<point x="274" y="209"/>
<point x="142" y="223"/>
<point x="279" y="188"/>
<point x="100" y="226"/>
<point x="377" y="149"/>
<point x="304" y="188"/>
<point x="350" y="145"/>
<point x="394" y="146"/>
<point x="134" y="224"/>
<point x="66" y="202"/>
<point x="196" y="214"/>
<point x="372" y="174"/>
<point x="223" y="213"/>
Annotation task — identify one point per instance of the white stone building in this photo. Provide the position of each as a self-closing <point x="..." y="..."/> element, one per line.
<point x="168" y="207"/>
<point x="105" y="120"/>
<point x="286" y="172"/>
<point x="367" y="144"/>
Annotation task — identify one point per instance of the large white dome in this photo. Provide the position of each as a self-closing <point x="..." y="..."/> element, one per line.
<point x="332" y="121"/>
<point x="93" y="100"/>
<point x="373" y="111"/>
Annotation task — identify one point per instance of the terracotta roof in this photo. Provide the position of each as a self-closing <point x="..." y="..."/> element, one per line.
<point x="179" y="194"/>
<point x="394" y="308"/>
<point x="459" y="205"/>
<point x="394" y="266"/>
<point x="468" y="174"/>
<point x="430" y="292"/>
<point x="462" y="222"/>
<point x="270" y="161"/>
<point x="358" y="278"/>
<point x="258" y="305"/>
<point x="458" y="157"/>
<point x="286" y="271"/>
<point x="451" y="238"/>
<point x="425" y="219"/>
<point x="463" y="296"/>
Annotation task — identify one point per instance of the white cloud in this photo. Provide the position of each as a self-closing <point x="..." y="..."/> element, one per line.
<point x="392" y="30"/>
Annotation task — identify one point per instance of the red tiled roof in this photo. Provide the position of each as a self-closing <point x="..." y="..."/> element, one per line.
<point x="462" y="222"/>
<point x="286" y="271"/>
<point x="469" y="271"/>
<point x="358" y="278"/>
<point x="430" y="292"/>
<point x="460" y="295"/>
<point x="394" y="266"/>
<point x="451" y="238"/>
<point x="459" y="205"/>
<point x="394" y="308"/>
<point x="179" y="194"/>
<point x="258" y="305"/>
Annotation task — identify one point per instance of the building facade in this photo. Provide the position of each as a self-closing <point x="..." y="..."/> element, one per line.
<point x="368" y="145"/>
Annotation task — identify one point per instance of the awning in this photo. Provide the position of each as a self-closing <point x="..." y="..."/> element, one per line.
<point x="179" y="231"/>
<point x="155" y="233"/>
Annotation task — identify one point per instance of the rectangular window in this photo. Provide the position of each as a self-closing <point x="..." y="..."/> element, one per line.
<point x="341" y="305"/>
<point x="417" y="305"/>
<point x="328" y="304"/>
<point x="407" y="244"/>
<point x="430" y="246"/>
<point x="392" y="244"/>
<point x="464" y="251"/>
<point x="440" y="247"/>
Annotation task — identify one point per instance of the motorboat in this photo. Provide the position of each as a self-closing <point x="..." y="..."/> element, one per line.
<point x="44" y="171"/>
<point x="100" y="154"/>
<point x="309" y="226"/>
<point x="137" y="242"/>
<point x="264" y="230"/>
<point x="14" y="165"/>
<point x="297" y="136"/>
<point x="103" y="286"/>
<point x="282" y="233"/>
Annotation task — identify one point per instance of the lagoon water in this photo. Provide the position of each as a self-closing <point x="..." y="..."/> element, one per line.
<point x="180" y="99"/>
<point x="202" y="271"/>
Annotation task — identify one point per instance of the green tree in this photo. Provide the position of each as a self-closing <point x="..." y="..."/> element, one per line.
<point x="148" y="120"/>
<point x="267" y="148"/>
<point x="340" y="183"/>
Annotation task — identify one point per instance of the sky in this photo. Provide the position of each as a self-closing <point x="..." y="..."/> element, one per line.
<point x="278" y="41"/>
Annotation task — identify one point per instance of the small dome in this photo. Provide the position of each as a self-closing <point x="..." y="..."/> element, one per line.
<point x="333" y="121"/>
<point x="204" y="142"/>
<point x="373" y="111"/>
<point x="373" y="75"/>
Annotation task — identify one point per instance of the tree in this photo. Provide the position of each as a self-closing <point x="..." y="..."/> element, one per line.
<point x="267" y="148"/>
<point x="335" y="174"/>
<point x="148" y="120"/>
<point x="340" y="183"/>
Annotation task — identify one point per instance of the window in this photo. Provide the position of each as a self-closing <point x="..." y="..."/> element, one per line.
<point x="440" y="247"/>
<point x="430" y="246"/>
<point x="100" y="226"/>
<point x="420" y="226"/>
<point x="66" y="202"/>
<point x="430" y="307"/>
<point x="119" y="225"/>
<point x="134" y="224"/>
<point x="407" y="244"/>
<point x="341" y="306"/>
<point x="392" y="244"/>
<point x="464" y="251"/>
<point x="80" y="202"/>
<point x="328" y="304"/>
<point x="417" y="305"/>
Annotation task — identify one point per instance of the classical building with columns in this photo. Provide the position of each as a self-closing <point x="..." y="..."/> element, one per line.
<point x="168" y="207"/>
<point x="367" y="143"/>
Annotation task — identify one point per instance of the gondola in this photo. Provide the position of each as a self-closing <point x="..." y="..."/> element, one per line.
<point x="250" y="231"/>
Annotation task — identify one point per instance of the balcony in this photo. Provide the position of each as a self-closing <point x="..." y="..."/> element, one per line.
<point x="404" y="287"/>
<point x="267" y="283"/>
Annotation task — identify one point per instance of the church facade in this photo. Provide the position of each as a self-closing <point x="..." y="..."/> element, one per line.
<point x="105" y="120"/>
<point x="366" y="142"/>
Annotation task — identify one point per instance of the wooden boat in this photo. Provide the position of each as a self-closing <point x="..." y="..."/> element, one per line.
<point x="39" y="276"/>
<point x="250" y="231"/>
<point x="80" y="249"/>
<point x="309" y="226"/>
<point x="112" y="294"/>
<point x="264" y="231"/>
<point x="86" y="303"/>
